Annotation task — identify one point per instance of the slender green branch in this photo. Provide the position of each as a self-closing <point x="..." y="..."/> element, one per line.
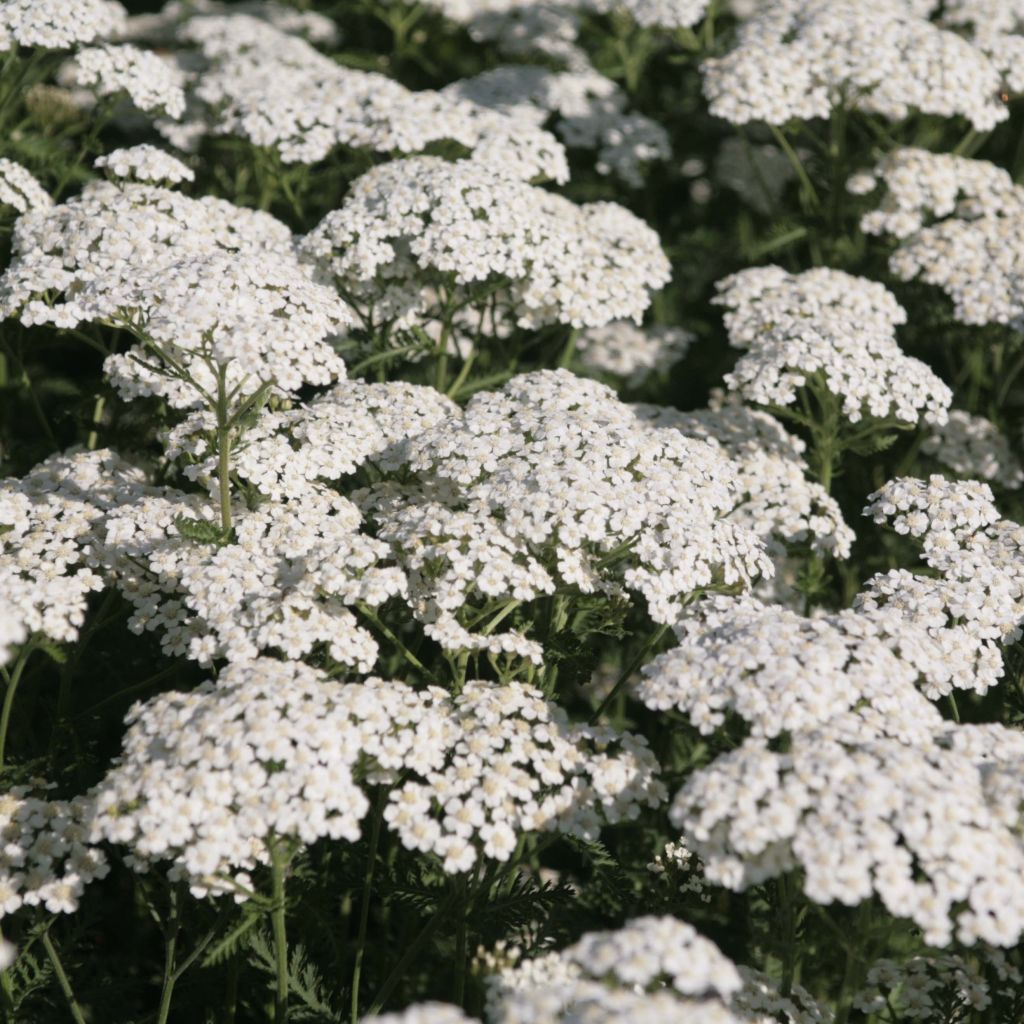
<point x="797" y="164"/>
<point x="12" y="679"/>
<point x="278" y="865"/>
<point x="630" y="669"/>
<point x="62" y="979"/>
<point x="171" y="929"/>
<point x="223" y="450"/>
<point x="412" y="951"/>
<point x="364" y="909"/>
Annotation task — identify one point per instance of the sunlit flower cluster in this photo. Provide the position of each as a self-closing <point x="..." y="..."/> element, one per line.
<point x="959" y="222"/>
<point x="211" y="283"/>
<point x="826" y="323"/>
<point x="801" y="58"/>
<point x="19" y="188"/>
<point x="552" y="479"/>
<point x="463" y="225"/>
<point x="211" y="780"/>
<point x="516" y="765"/>
<point x="865" y="814"/>
<point x="46" y="23"/>
<point x="47" y="520"/>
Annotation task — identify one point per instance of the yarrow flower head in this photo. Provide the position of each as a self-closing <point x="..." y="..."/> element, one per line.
<point x="865" y="814"/>
<point x="20" y="190"/>
<point x="151" y="82"/>
<point x="276" y="90"/>
<point x="800" y="58"/>
<point x="49" y="25"/>
<point x="959" y="223"/>
<point x="47" y="521"/>
<point x="553" y="479"/>
<point x="922" y="987"/>
<point x="781" y="672"/>
<point x="633" y="354"/>
<point x="828" y="323"/>
<point x="590" y="113"/>
<point x="286" y="451"/>
<point x="516" y="765"/>
<point x="47" y="856"/>
<point x="145" y="163"/>
<point x="977" y="584"/>
<point x="974" y="447"/>
<point x="651" y="969"/>
<point x="209" y="283"/>
<point x="210" y="779"/>
<point x="461" y="226"/>
<point x="779" y="503"/>
<point x="286" y="583"/>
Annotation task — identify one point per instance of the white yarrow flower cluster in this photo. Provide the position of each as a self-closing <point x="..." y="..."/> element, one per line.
<point x="652" y="969"/>
<point x="590" y="109"/>
<point x="797" y="59"/>
<point x="20" y="190"/>
<point x="781" y="672"/>
<point x="863" y="814"/>
<point x="826" y="322"/>
<point x="924" y="987"/>
<point x="285" y="583"/>
<point x="51" y="25"/>
<point x="921" y="187"/>
<point x="47" y="519"/>
<point x="210" y="282"/>
<point x="439" y="223"/>
<point x="634" y="354"/>
<point x="286" y="451"/>
<point x="977" y="583"/>
<point x="974" y="447"/>
<point x="153" y="83"/>
<point x="959" y="222"/>
<point x="276" y="90"/>
<point x="552" y="479"/>
<point x="47" y="856"/>
<point x="210" y="779"/>
<point x="144" y="163"/>
<point x="779" y="503"/>
<point x="516" y="765"/>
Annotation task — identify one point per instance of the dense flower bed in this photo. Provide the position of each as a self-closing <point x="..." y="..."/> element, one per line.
<point x="510" y="511"/>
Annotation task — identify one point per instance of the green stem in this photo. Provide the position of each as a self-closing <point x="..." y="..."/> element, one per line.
<point x="797" y="165"/>
<point x="467" y="365"/>
<point x="12" y="679"/>
<point x="565" y="359"/>
<point x="223" y="450"/>
<point x="278" y="864"/>
<point x="631" y="668"/>
<point x="364" y="909"/>
<point x="97" y="419"/>
<point x="170" y="949"/>
<point x="787" y="922"/>
<point x="62" y="979"/>
<point x="459" y="990"/>
<point x="390" y="634"/>
<point x="412" y="951"/>
<point x="953" y="707"/>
